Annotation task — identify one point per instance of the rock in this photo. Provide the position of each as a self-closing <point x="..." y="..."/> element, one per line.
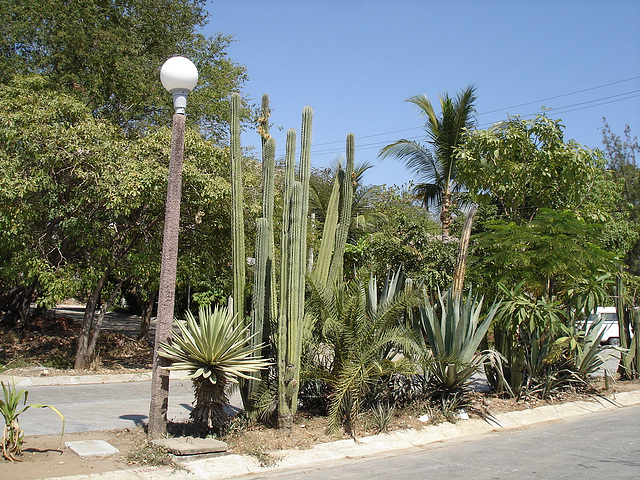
<point x="191" y="445"/>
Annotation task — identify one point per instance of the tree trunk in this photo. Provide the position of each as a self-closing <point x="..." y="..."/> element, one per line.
<point x="82" y="353"/>
<point x="93" y="340"/>
<point x="147" y="313"/>
<point x="445" y="214"/>
<point x="461" y="261"/>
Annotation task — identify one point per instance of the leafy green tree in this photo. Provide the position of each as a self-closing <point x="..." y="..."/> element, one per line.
<point x="524" y="165"/>
<point x="82" y="206"/>
<point x="547" y="254"/>
<point x="620" y="153"/>
<point x="406" y="238"/>
<point x="107" y="54"/>
<point x="435" y="165"/>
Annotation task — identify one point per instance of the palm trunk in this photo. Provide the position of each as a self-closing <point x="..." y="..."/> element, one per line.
<point x="208" y="412"/>
<point x="445" y="214"/>
<point x="461" y="261"/>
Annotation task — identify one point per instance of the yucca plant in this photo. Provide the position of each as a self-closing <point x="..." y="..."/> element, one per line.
<point x="13" y="436"/>
<point x="215" y="351"/>
<point x="454" y="331"/>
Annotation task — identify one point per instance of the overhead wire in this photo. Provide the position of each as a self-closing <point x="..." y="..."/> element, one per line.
<point x="562" y="109"/>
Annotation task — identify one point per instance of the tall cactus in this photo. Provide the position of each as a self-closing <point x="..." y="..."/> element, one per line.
<point x="237" y="213"/>
<point x="329" y="266"/>
<point x="264" y="311"/>
<point x="292" y="271"/>
<point x="287" y="316"/>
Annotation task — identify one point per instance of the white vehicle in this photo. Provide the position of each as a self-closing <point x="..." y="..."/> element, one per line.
<point x="609" y="324"/>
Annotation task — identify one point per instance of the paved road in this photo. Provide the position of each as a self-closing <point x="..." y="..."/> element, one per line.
<point x="101" y="406"/>
<point x="597" y="446"/>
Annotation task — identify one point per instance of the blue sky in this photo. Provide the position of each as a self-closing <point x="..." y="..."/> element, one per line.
<point x="356" y="62"/>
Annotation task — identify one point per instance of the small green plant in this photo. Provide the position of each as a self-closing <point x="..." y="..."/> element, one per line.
<point x="382" y="415"/>
<point x="13" y="436"/>
<point x="454" y="332"/>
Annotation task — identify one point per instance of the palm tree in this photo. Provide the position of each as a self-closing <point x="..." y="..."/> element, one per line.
<point x="435" y="164"/>
<point x="363" y="216"/>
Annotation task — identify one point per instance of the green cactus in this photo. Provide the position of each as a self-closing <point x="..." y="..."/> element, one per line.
<point x="237" y="216"/>
<point x="329" y="266"/>
<point x="264" y="309"/>
<point x="286" y="318"/>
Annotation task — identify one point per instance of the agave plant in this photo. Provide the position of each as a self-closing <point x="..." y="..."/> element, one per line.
<point x="10" y="410"/>
<point x="215" y="351"/>
<point x="587" y="354"/>
<point x="454" y="332"/>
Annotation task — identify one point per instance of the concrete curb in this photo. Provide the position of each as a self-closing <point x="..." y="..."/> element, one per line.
<point x="229" y="466"/>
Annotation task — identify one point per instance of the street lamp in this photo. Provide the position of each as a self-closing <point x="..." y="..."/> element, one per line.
<point x="179" y="76"/>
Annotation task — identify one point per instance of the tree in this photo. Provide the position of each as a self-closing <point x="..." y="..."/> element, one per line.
<point x="620" y="154"/>
<point x="436" y="165"/>
<point x="523" y="165"/>
<point x="107" y="54"/>
<point x="81" y="206"/>
<point x="406" y="238"/>
<point x="547" y="253"/>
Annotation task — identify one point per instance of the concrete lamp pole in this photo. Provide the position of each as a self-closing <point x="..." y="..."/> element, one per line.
<point x="179" y="76"/>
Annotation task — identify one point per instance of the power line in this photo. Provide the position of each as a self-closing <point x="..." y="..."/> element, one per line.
<point x="498" y="110"/>
<point x="562" y="109"/>
<point x="563" y="95"/>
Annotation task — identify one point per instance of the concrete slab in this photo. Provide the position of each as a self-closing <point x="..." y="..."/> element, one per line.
<point x="92" y="448"/>
<point x="191" y="445"/>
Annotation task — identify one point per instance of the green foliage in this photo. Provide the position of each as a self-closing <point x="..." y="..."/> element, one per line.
<point x="360" y="342"/>
<point x="587" y="355"/>
<point x="214" y="351"/>
<point x="105" y="54"/>
<point x="525" y="165"/>
<point x="407" y="237"/>
<point x="524" y="334"/>
<point x="436" y="168"/>
<point x="454" y="332"/>
<point x="550" y="250"/>
<point x="12" y="435"/>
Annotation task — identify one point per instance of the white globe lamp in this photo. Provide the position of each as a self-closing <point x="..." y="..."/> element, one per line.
<point x="179" y="76"/>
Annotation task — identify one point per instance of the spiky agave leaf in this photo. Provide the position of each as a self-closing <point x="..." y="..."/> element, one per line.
<point x="454" y="334"/>
<point x="215" y="347"/>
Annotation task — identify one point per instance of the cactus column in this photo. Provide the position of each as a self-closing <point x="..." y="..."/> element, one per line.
<point x="237" y="211"/>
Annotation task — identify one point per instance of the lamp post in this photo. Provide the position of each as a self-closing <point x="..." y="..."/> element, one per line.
<point x="179" y="76"/>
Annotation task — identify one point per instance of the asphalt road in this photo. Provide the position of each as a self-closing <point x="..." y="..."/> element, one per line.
<point x="596" y="446"/>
